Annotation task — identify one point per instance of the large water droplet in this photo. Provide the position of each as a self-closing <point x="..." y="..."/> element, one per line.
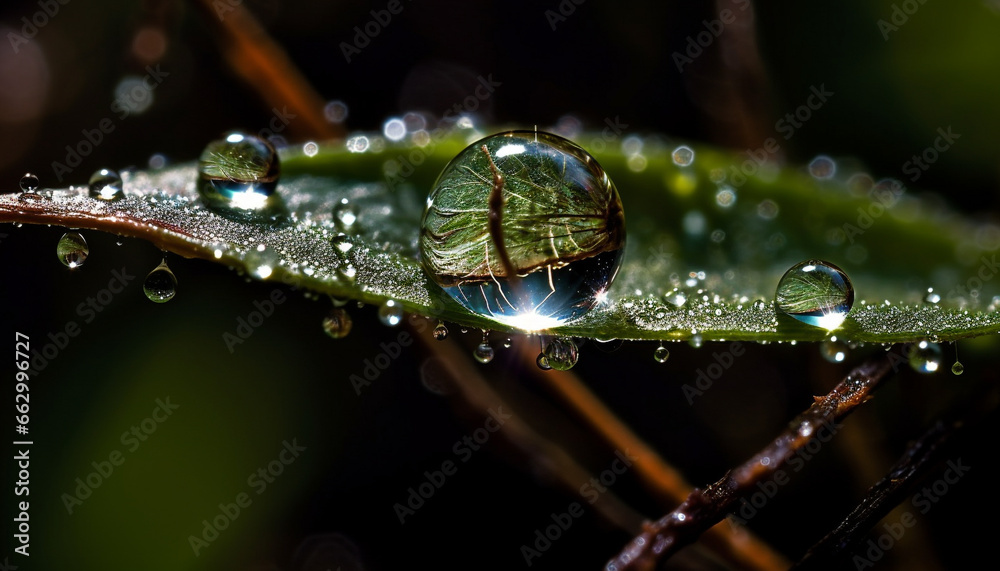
<point x="337" y="323"/>
<point x="815" y="292"/>
<point x="72" y="250"/>
<point x="160" y="285"/>
<point x="483" y="353"/>
<point x="925" y="357"/>
<point x="391" y="313"/>
<point x="29" y="182"/>
<point x="106" y="184"/>
<point x="957" y="368"/>
<point x="524" y="227"/>
<point x="661" y="354"/>
<point x="561" y="353"/>
<point x="240" y="174"/>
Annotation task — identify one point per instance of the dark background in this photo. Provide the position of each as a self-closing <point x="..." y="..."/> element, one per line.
<point x="606" y="60"/>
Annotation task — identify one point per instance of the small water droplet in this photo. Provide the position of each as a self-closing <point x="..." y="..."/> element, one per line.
<point x="561" y="353"/>
<point x="72" y="250"/>
<point x="683" y="156"/>
<point x="833" y="351"/>
<point x="661" y="354"/>
<point x="816" y="293"/>
<point x="696" y="341"/>
<point x="932" y="297"/>
<point x="483" y="353"/>
<point x="507" y="343"/>
<point x="106" y="184"/>
<point x="823" y="167"/>
<point x="441" y="331"/>
<point x="342" y="243"/>
<point x="391" y="313"/>
<point x="925" y="357"/>
<point x="29" y="182"/>
<point x="676" y="297"/>
<point x="160" y="285"/>
<point x="464" y="329"/>
<point x="958" y="368"/>
<point x="542" y="362"/>
<point x="344" y="214"/>
<point x="240" y="174"/>
<point x="337" y="323"/>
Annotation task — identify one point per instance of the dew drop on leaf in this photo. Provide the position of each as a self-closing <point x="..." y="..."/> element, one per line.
<point x="696" y="341"/>
<point x="958" y="368"/>
<point x="345" y="215"/>
<point x="543" y="362"/>
<point x="337" y="323"/>
<point x="932" y="297"/>
<point x="483" y="353"/>
<point x="925" y="357"/>
<point x="440" y="332"/>
<point x="833" y="351"/>
<point x="525" y="228"/>
<point x="816" y="293"/>
<point x="661" y="354"/>
<point x="239" y="174"/>
<point x="561" y="353"/>
<point x="160" y="285"/>
<point x="29" y="182"/>
<point x="72" y="250"/>
<point x="106" y="184"/>
<point x="390" y="313"/>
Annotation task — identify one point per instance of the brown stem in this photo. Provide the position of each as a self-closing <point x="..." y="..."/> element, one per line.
<point x="262" y="63"/>
<point x="882" y="497"/>
<point x="704" y="508"/>
<point x="496" y="218"/>
<point x="742" y="549"/>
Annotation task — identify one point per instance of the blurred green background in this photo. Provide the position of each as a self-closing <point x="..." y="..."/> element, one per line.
<point x="605" y="61"/>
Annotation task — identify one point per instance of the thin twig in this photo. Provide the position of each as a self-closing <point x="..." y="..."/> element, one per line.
<point x="883" y="496"/>
<point x="256" y="57"/>
<point x="480" y="395"/>
<point x="704" y="508"/>
<point x="741" y="549"/>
